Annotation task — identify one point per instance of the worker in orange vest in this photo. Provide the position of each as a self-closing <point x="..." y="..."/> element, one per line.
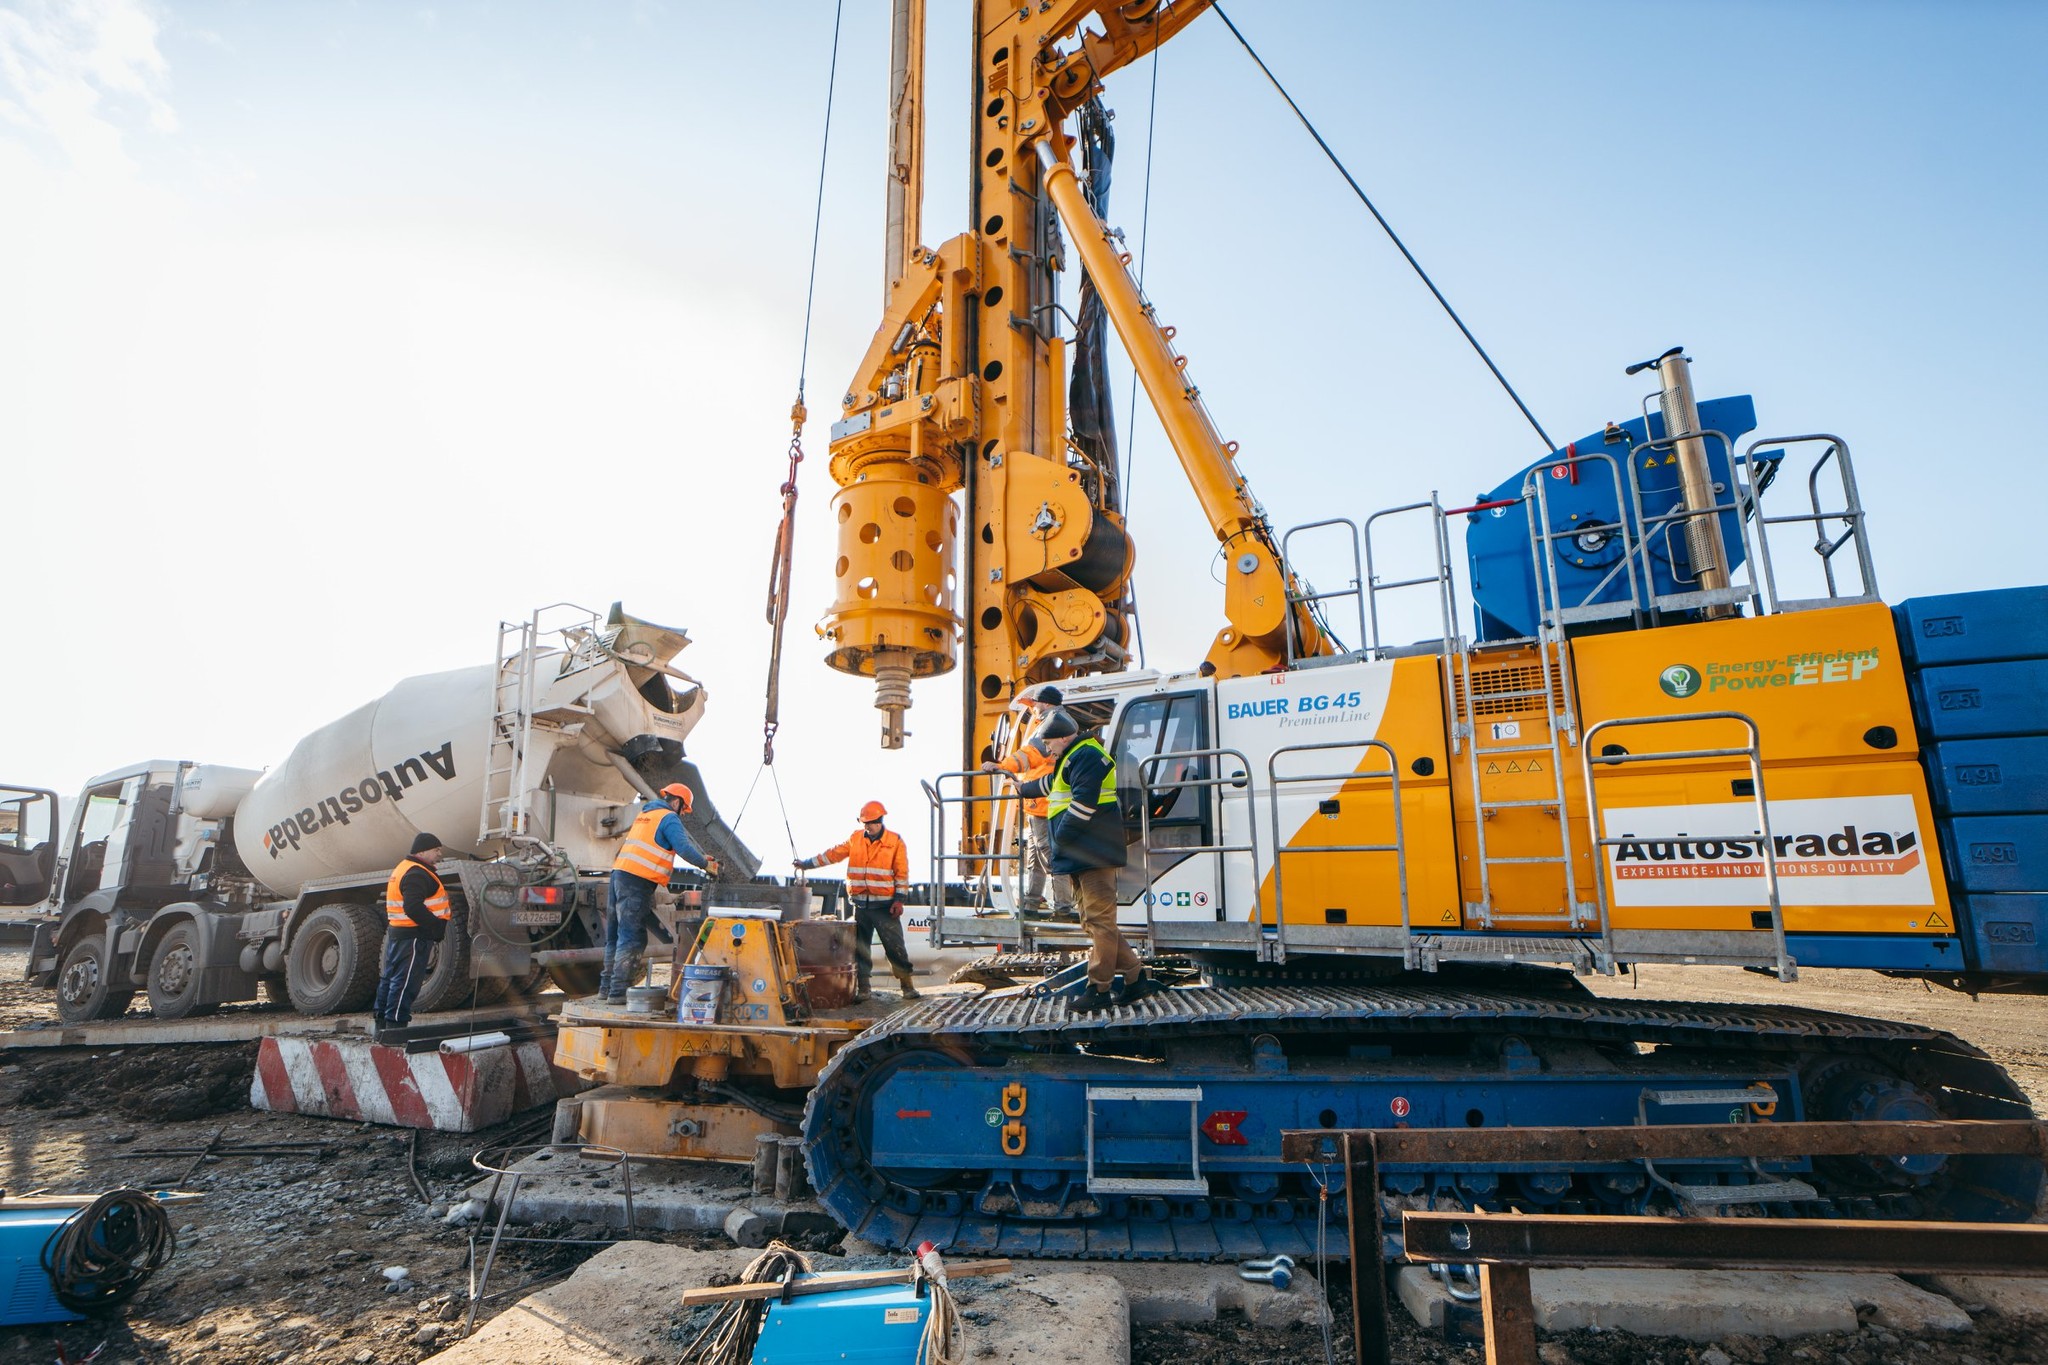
<point x="1030" y="763"/>
<point x="416" y="908"/>
<point x="646" y="859"/>
<point x="877" y="878"/>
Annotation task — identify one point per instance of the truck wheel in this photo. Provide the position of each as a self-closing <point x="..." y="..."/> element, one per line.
<point x="83" y="992"/>
<point x="491" y="989"/>
<point x="576" y="979"/>
<point x="176" y="970"/>
<point x="448" y="985"/>
<point x="333" y="963"/>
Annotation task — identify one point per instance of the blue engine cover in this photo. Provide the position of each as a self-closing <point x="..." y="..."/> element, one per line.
<point x="1497" y="541"/>
<point x="1974" y="627"/>
<point x="881" y="1326"/>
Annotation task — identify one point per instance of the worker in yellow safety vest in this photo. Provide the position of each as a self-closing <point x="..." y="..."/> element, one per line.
<point x="646" y="858"/>
<point x="417" y="908"/>
<point x="877" y="878"/>
<point x="1088" y="844"/>
<point x="1029" y="762"/>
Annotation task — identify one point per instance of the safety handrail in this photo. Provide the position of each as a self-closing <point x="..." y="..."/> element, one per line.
<point x="938" y="800"/>
<point x="1742" y="502"/>
<point x="1308" y="596"/>
<point x="1787" y="970"/>
<point x="1241" y="778"/>
<point x="1274" y="782"/>
<point x="1851" y="514"/>
<point x="1456" y="661"/>
<point x="1543" y="538"/>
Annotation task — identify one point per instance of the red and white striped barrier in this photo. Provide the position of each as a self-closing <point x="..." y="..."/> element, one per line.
<point x="361" y="1080"/>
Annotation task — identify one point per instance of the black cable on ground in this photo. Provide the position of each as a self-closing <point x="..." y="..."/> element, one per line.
<point x="1388" y="228"/>
<point x="101" y="1257"/>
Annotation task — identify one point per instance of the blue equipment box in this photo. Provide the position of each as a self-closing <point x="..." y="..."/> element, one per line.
<point x="1998" y="852"/>
<point x="881" y="1326"/>
<point x="1990" y="776"/>
<point x="2007" y="933"/>
<point x="1970" y="701"/>
<point x="26" y="1294"/>
<point x="1974" y="627"/>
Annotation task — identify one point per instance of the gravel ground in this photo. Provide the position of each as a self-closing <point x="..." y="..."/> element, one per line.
<point x="284" y="1258"/>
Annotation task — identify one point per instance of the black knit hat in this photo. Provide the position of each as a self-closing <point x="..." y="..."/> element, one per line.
<point x="425" y="843"/>
<point x="1058" y="725"/>
<point x="1048" y="695"/>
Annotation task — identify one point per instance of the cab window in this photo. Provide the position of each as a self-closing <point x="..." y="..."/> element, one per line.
<point x="1164" y="725"/>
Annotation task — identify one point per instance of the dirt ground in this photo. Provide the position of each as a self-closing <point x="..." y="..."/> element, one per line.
<point x="284" y="1259"/>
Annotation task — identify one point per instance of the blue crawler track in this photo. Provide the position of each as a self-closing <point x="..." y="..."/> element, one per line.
<point x="971" y="1123"/>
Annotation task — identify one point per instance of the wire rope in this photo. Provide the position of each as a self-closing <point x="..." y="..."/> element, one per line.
<point x="1144" y="238"/>
<point x="1388" y="228"/>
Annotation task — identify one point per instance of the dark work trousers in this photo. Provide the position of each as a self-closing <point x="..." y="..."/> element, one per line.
<point x="405" y="971"/>
<point x="625" y="932"/>
<point x="872" y="920"/>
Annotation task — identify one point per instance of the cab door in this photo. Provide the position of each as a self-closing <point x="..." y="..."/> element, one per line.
<point x="28" y="844"/>
<point x="1171" y="797"/>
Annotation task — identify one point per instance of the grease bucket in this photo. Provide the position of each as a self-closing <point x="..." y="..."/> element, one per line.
<point x="703" y="994"/>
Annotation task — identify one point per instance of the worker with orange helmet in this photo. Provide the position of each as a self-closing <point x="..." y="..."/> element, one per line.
<point x="647" y="856"/>
<point x="877" y="878"/>
<point x="1029" y="762"/>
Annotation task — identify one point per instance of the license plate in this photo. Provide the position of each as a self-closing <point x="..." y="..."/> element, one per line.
<point x="539" y="919"/>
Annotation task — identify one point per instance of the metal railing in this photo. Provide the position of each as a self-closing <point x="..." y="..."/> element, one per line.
<point x="1281" y="850"/>
<point x="1851" y="514"/>
<point x="1313" y="600"/>
<point x="1212" y="780"/>
<point x="984" y="861"/>
<point x="1786" y="969"/>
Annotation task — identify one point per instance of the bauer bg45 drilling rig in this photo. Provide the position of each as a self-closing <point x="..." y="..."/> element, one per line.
<point x="1390" y="863"/>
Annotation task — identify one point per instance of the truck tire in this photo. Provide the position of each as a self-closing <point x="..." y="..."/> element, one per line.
<point x="83" y="993"/>
<point x="491" y="989"/>
<point x="334" y="959"/>
<point x="575" y="979"/>
<point x="176" y="971"/>
<point x="448" y="985"/>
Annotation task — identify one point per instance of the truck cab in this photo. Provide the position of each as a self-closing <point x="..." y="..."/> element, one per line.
<point x="135" y="843"/>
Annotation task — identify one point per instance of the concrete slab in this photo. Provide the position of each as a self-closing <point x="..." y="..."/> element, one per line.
<point x="2010" y="1295"/>
<point x="1179" y="1291"/>
<point x="1706" y="1305"/>
<point x="620" y="1308"/>
<point x="697" y="1196"/>
<point x="244" y="1025"/>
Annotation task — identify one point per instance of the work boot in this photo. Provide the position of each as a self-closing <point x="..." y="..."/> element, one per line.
<point x="909" y="985"/>
<point x="863" y="991"/>
<point x="1138" y="990"/>
<point x="1092" y="1001"/>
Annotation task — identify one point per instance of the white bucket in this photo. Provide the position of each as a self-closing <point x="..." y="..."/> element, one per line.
<point x="703" y="994"/>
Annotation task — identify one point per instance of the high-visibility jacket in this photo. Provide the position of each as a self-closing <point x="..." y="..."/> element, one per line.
<point x="640" y="855"/>
<point x="1087" y="824"/>
<point x="877" y="869"/>
<point x="1030" y="764"/>
<point x="394" y="899"/>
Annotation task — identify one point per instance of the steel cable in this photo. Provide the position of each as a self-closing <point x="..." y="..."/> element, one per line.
<point x="1388" y="228"/>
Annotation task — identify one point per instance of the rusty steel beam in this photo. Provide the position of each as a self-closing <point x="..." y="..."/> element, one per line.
<point x="1727" y="1243"/>
<point x="1666" y="1142"/>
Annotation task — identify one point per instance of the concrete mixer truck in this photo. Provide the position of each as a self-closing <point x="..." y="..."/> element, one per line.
<point x="203" y="885"/>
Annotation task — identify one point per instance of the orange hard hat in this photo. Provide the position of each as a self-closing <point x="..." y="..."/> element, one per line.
<point x="872" y="811"/>
<point x="677" y="789"/>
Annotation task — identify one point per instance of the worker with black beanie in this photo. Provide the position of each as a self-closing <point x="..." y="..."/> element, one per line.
<point x="417" y="907"/>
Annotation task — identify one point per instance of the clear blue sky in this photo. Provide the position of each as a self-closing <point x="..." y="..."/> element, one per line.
<point x="329" y="335"/>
